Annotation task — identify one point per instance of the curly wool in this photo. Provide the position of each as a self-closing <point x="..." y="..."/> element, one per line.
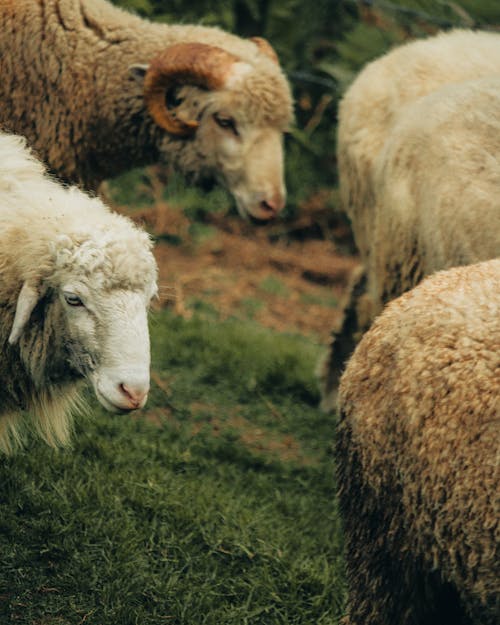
<point x="417" y="453"/>
<point x="49" y="235"/>
<point x="86" y="117"/>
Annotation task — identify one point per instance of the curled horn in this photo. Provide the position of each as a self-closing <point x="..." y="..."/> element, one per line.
<point x="180" y="64"/>
<point x="266" y="48"/>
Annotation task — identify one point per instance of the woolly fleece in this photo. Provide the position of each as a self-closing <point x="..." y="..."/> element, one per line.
<point x="50" y="235"/>
<point x="66" y="85"/>
<point x="418" y="453"/>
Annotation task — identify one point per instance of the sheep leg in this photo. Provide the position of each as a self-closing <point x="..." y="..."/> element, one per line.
<point x="343" y="341"/>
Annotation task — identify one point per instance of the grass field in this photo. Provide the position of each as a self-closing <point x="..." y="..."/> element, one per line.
<point x="214" y="506"/>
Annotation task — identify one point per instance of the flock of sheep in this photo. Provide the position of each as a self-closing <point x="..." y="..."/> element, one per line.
<point x="93" y="90"/>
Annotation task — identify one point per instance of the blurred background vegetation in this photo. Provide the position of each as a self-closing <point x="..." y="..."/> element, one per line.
<point x="322" y="46"/>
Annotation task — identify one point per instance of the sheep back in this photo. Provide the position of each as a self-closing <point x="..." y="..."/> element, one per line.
<point x="380" y="93"/>
<point x="418" y="456"/>
<point x="436" y="187"/>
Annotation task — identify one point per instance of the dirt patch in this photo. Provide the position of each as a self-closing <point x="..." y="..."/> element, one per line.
<point x="277" y="275"/>
<point x="290" y="277"/>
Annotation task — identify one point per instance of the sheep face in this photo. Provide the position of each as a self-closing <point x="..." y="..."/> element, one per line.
<point x="107" y="342"/>
<point x="257" y="184"/>
<point x="244" y="156"/>
<point x="91" y="315"/>
<point x="227" y="118"/>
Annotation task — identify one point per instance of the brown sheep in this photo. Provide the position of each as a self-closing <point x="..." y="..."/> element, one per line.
<point x="418" y="456"/>
<point x="97" y="90"/>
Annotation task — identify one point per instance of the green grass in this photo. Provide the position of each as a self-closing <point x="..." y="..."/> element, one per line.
<point x="273" y="285"/>
<point x="140" y="187"/>
<point x="322" y="299"/>
<point x="215" y="506"/>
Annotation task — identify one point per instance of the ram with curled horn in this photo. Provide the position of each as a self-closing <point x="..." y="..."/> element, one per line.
<point x="194" y="64"/>
<point x="210" y="104"/>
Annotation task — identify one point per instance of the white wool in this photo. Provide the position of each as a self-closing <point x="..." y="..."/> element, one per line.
<point x="54" y="240"/>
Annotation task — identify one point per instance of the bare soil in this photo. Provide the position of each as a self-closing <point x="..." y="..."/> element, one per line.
<point x="287" y="276"/>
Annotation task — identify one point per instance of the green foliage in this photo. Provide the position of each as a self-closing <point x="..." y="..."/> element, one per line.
<point x="391" y="22"/>
<point x="272" y="284"/>
<point x="177" y="517"/>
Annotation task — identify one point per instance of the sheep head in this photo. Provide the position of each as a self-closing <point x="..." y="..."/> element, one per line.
<point x="91" y="307"/>
<point x="230" y="113"/>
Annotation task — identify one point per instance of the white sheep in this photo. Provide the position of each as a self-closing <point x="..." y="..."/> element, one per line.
<point x="75" y="284"/>
<point x="418" y="174"/>
<point x="418" y="456"/>
<point x="97" y="90"/>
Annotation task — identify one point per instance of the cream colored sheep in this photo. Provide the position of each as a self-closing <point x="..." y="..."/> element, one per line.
<point x="75" y="284"/>
<point x="209" y="103"/>
<point x="380" y="94"/>
<point x="438" y="189"/>
<point x="418" y="456"/>
<point x="418" y="166"/>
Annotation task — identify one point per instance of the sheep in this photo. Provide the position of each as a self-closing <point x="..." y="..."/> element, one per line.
<point x="75" y="284"/>
<point x="98" y="90"/>
<point x="417" y="453"/>
<point x="379" y="95"/>
<point x="417" y="175"/>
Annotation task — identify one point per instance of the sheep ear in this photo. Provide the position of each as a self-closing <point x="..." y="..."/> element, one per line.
<point x="27" y="300"/>
<point x="138" y="71"/>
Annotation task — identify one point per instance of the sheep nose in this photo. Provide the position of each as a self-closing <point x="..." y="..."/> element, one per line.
<point x="135" y="396"/>
<point x="273" y="205"/>
<point x="268" y="208"/>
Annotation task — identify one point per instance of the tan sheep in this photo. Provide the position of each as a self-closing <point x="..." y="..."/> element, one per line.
<point x="379" y="95"/>
<point x="418" y="166"/>
<point x="418" y="456"/>
<point x="97" y="90"/>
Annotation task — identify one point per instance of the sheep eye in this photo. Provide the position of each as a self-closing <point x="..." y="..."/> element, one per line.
<point x="172" y="100"/>
<point x="227" y="123"/>
<point x="72" y="299"/>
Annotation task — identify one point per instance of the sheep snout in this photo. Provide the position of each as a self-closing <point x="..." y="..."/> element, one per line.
<point x="136" y="396"/>
<point x="120" y="391"/>
<point x="254" y="173"/>
<point x="261" y="206"/>
<point x="272" y="206"/>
